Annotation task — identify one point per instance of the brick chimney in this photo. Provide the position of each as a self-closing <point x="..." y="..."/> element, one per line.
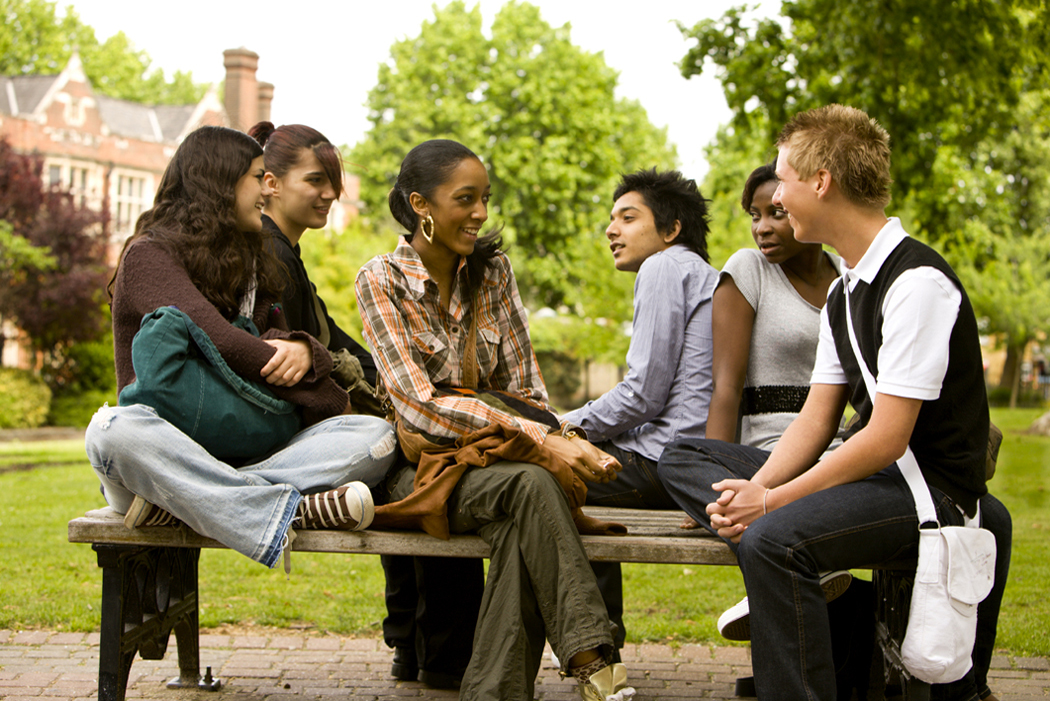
<point x="242" y="89"/>
<point x="265" y="98"/>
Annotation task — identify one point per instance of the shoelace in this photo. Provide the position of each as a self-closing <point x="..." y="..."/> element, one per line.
<point x="286" y="550"/>
<point x="329" y="512"/>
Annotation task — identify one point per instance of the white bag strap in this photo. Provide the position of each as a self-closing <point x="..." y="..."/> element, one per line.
<point x="907" y="463"/>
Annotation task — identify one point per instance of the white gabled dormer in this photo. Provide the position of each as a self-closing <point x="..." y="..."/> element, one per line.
<point x="72" y="73"/>
<point x="12" y="97"/>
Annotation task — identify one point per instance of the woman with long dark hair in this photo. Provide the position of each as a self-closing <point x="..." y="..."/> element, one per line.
<point x="450" y="338"/>
<point x="200" y="249"/>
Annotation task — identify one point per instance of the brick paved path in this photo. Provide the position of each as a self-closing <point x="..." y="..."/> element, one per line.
<point x="285" y="666"/>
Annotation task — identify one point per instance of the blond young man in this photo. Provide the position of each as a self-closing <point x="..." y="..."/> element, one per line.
<point x="798" y="516"/>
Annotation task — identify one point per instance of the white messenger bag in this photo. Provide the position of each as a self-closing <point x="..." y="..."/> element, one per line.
<point x="955" y="573"/>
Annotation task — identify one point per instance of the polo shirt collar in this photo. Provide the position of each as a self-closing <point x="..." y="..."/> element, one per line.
<point x="888" y="238"/>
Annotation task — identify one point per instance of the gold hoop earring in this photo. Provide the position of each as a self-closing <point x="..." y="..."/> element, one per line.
<point x="423" y="228"/>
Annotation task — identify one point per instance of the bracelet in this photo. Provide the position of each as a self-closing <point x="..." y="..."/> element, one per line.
<point x="764" y="512"/>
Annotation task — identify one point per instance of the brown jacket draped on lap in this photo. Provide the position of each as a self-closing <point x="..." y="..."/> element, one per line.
<point x="441" y="466"/>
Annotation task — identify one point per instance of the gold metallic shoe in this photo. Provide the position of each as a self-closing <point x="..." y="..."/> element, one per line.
<point x="607" y="684"/>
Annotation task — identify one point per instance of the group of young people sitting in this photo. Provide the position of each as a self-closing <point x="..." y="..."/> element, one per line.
<point x="730" y="409"/>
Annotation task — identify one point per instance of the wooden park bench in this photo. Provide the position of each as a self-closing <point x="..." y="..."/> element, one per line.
<point x="149" y="579"/>
<point x="149" y="576"/>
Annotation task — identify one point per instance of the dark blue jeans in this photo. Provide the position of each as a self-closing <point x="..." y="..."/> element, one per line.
<point x="781" y="555"/>
<point x="637" y="486"/>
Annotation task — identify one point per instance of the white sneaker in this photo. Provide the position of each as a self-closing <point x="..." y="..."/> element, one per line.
<point x="141" y="513"/>
<point x="286" y="550"/>
<point x="735" y="622"/>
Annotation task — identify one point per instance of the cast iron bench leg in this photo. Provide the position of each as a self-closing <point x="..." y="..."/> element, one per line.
<point x="146" y="594"/>
<point x="892" y="603"/>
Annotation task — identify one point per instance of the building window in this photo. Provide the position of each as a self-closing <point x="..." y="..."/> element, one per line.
<point x="130" y="202"/>
<point x="78" y="183"/>
<point x="75" y="113"/>
<point x="54" y="176"/>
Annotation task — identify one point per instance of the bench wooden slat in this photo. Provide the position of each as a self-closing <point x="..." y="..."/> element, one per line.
<point x="653" y="536"/>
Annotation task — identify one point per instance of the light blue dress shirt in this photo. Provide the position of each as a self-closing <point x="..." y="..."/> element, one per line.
<point x="667" y="390"/>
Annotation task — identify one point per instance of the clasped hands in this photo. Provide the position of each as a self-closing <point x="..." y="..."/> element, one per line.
<point x="740" y="503"/>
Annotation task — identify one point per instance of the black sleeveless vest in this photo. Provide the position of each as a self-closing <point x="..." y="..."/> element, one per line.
<point x="950" y="439"/>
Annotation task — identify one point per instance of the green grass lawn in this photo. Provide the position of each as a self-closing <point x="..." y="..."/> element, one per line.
<point x="46" y="582"/>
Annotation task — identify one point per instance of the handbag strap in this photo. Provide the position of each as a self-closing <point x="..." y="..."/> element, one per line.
<point x="909" y="467"/>
<point x="469" y="362"/>
<point x="324" y="335"/>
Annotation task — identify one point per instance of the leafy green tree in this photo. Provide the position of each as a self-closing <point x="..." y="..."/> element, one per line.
<point x="55" y="291"/>
<point x="35" y="39"/>
<point x="956" y="84"/>
<point x="543" y="114"/>
<point x="18" y="259"/>
<point x="17" y="256"/>
<point x="934" y="73"/>
<point x="734" y="153"/>
<point x="333" y="259"/>
<point x="997" y="203"/>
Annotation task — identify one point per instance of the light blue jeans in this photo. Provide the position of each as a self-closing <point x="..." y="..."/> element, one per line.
<point x="247" y="508"/>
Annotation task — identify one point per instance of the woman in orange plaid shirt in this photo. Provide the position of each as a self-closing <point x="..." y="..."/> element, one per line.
<point x="445" y="284"/>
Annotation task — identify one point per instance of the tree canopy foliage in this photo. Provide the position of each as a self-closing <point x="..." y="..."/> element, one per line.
<point x="543" y="114"/>
<point x="54" y="291"/>
<point x="995" y="204"/>
<point x="958" y="84"/>
<point x="34" y="39"/>
<point x="933" y="72"/>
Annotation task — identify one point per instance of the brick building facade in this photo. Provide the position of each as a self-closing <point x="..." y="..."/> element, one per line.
<point x="113" y="152"/>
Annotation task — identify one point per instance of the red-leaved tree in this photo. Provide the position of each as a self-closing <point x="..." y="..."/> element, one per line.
<point x="59" y="301"/>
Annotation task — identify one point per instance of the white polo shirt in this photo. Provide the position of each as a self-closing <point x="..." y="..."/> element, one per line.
<point x="919" y="312"/>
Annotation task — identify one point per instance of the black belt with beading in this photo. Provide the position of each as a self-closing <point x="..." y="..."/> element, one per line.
<point x="773" y="399"/>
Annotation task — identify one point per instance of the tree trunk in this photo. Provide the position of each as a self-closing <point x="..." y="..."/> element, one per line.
<point x="1009" y="367"/>
<point x="1012" y="371"/>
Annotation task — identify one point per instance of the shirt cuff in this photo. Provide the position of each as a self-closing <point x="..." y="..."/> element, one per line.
<point x="567" y="428"/>
<point x="922" y="393"/>
<point x="828" y="378"/>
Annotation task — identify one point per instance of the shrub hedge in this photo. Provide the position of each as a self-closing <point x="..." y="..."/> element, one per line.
<point x="77" y="410"/>
<point x="24" y="399"/>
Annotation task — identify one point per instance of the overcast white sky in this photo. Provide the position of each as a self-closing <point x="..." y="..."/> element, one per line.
<point x="323" y="55"/>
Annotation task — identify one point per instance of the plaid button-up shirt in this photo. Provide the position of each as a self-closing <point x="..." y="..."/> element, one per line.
<point x="418" y="344"/>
